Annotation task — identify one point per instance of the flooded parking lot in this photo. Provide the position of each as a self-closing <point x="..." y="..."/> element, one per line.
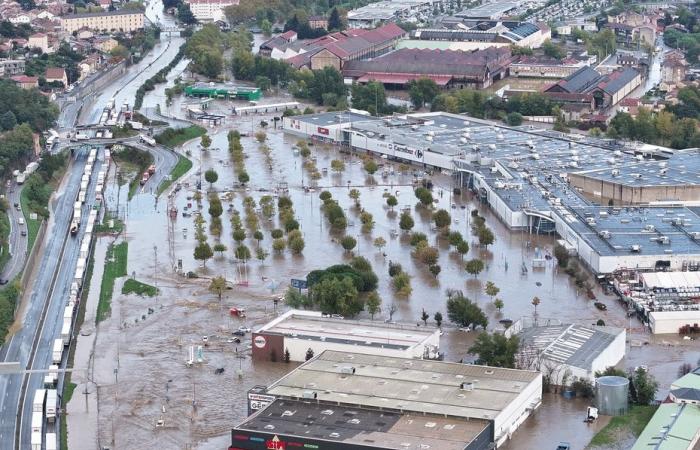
<point x="149" y="348"/>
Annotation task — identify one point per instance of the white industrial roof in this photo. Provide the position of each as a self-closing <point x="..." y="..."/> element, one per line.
<point x="671" y="280"/>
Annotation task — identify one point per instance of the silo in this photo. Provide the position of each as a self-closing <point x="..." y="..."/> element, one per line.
<point x="611" y="395"/>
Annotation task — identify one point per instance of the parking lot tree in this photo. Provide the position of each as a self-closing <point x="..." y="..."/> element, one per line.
<point x="291" y="224"/>
<point x="380" y="243"/>
<point x="498" y="303"/>
<point x="325" y="195"/>
<point x="239" y="235"/>
<point x="243" y="177"/>
<point x="206" y="142"/>
<point x="426" y="254"/>
<point x="211" y="176"/>
<point x="337" y="296"/>
<point x="309" y="354"/>
<point x="355" y="195"/>
<point x="401" y="283"/>
<point x="391" y="201"/>
<point x="394" y="269"/>
<point x="435" y="269"/>
<point x="495" y="350"/>
<point x="562" y="255"/>
<point x="219" y="248"/>
<point x="535" y="302"/>
<point x="373" y="304"/>
<point x="406" y="222"/>
<point x="491" y="289"/>
<point x="278" y="245"/>
<point x="276" y="233"/>
<point x="260" y="136"/>
<point x="367" y="221"/>
<point x="424" y="317"/>
<point x="242" y="253"/>
<point x="296" y="245"/>
<point x="284" y="202"/>
<point x="424" y="196"/>
<point x="202" y="252"/>
<point x="437" y="317"/>
<point x="474" y="266"/>
<point x="258" y="236"/>
<point x="463" y="248"/>
<point x="337" y="165"/>
<point x="454" y="238"/>
<point x="371" y="167"/>
<point x="462" y="311"/>
<point x="261" y="254"/>
<point x="417" y="238"/>
<point x="217" y="286"/>
<point x="295" y="299"/>
<point x="215" y="209"/>
<point x="442" y="218"/>
<point x="348" y="243"/>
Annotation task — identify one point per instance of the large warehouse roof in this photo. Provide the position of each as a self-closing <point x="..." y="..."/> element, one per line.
<point x="362" y="426"/>
<point x="407" y="385"/>
<point x="312" y="326"/>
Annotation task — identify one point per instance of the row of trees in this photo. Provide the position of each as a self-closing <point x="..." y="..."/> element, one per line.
<point x="235" y="149"/>
<point x="662" y="128"/>
<point x="480" y="104"/>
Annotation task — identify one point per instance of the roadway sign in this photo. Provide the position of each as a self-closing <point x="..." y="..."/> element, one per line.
<point x="299" y="284"/>
<point x="9" y="367"/>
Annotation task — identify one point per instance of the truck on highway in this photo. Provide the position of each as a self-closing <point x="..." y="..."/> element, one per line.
<point x="39" y="401"/>
<point x="51" y="443"/>
<point x="31" y="167"/>
<point x="37" y="422"/>
<point x="65" y="332"/>
<point x="81" y="196"/>
<point x="151" y="169"/>
<point x="147" y="139"/>
<point x="51" y="378"/>
<point x="145" y="177"/>
<point x="51" y="403"/>
<point x="81" y="136"/>
<point x="21" y="177"/>
<point x="57" y="351"/>
<point x="36" y="441"/>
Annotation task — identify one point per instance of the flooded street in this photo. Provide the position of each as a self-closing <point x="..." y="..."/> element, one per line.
<point x="141" y="349"/>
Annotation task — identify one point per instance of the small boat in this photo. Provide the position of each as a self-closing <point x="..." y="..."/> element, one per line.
<point x="601" y="306"/>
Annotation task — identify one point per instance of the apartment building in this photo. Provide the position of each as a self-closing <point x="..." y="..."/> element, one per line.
<point x="210" y="10"/>
<point x="104" y="21"/>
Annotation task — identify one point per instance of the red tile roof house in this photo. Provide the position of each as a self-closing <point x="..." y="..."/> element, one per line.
<point x="26" y="82"/>
<point x="56" y="74"/>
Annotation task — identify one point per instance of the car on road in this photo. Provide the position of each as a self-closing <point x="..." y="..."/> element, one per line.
<point x="205" y="339"/>
<point x="238" y="333"/>
<point x="3" y="281"/>
<point x="244" y="329"/>
<point x="17" y="207"/>
<point x="23" y="232"/>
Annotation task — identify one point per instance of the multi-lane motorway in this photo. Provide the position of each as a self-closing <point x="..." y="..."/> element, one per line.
<point x="42" y="317"/>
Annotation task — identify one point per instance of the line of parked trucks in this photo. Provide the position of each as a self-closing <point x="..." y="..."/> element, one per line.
<point x="21" y="177"/>
<point x="45" y="403"/>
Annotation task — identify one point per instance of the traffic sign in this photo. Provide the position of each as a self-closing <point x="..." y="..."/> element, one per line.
<point x="299" y="284"/>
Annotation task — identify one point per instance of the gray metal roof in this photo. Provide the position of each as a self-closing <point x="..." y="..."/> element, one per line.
<point x="570" y="344"/>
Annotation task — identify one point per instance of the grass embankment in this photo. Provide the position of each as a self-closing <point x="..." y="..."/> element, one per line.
<point x="174" y="137"/>
<point x="115" y="267"/>
<point x="4" y="239"/>
<point x="68" y="389"/>
<point x="138" y="117"/>
<point x="133" y="160"/>
<point x="182" y="167"/>
<point x="8" y="300"/>
<point x="132" y="286"/>
<point x="631" y="424"/>
<point x="37" y="191"/>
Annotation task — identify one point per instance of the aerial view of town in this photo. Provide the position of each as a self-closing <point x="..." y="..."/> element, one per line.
<point x="349" y="225"/>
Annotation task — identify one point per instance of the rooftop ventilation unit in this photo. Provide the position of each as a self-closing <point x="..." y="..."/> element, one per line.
<point x="663" y="240"/>
<point x="530" y="143"/>
<point x="590" y="221"/>
<point x="663" y="171"/>
<point x="414" y="127"/>
<point x="636" y="248"/>
<point x="605" y="234"/>
<point x="649" y="228"/>
<point x="467" y="386"/>
<point x="463" y="140"/>
<point x="309" y="394"/>
<point x="429" y="138"/>
<point x="500" y="136"/>
<point x="347" y="370"/>
<point x="615" y="172"/>
<point x="695" y="235"/>
<point x="492" y="146"/>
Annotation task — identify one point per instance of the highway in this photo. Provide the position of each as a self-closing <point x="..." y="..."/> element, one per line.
<point x="42" y="316"/>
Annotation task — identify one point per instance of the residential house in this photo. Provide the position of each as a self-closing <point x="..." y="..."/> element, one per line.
<point x="25" y="82"/>
<point x="11" y="67"/>
<point x="122" y="20"/>
<point x="546" y="67"/>
<point x="54" y="74"/>
<point x="318" y="22"/>
<point x="39" y="40"/>
<point x="105" y="4"/>
<point x="105" y="44"/>
<point x="20" y="19"/>
<point x="630" y="106"/>
<point x="210" y="10"/>
<point x="674" y="68"/>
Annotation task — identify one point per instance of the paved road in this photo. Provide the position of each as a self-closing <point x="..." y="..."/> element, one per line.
<point x="18" y="243"/>
<point x="20" y="345"/>
<point x="42" y="319"/>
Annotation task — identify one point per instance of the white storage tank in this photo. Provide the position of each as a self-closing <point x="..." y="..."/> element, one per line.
<point x="611" y="395"/>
